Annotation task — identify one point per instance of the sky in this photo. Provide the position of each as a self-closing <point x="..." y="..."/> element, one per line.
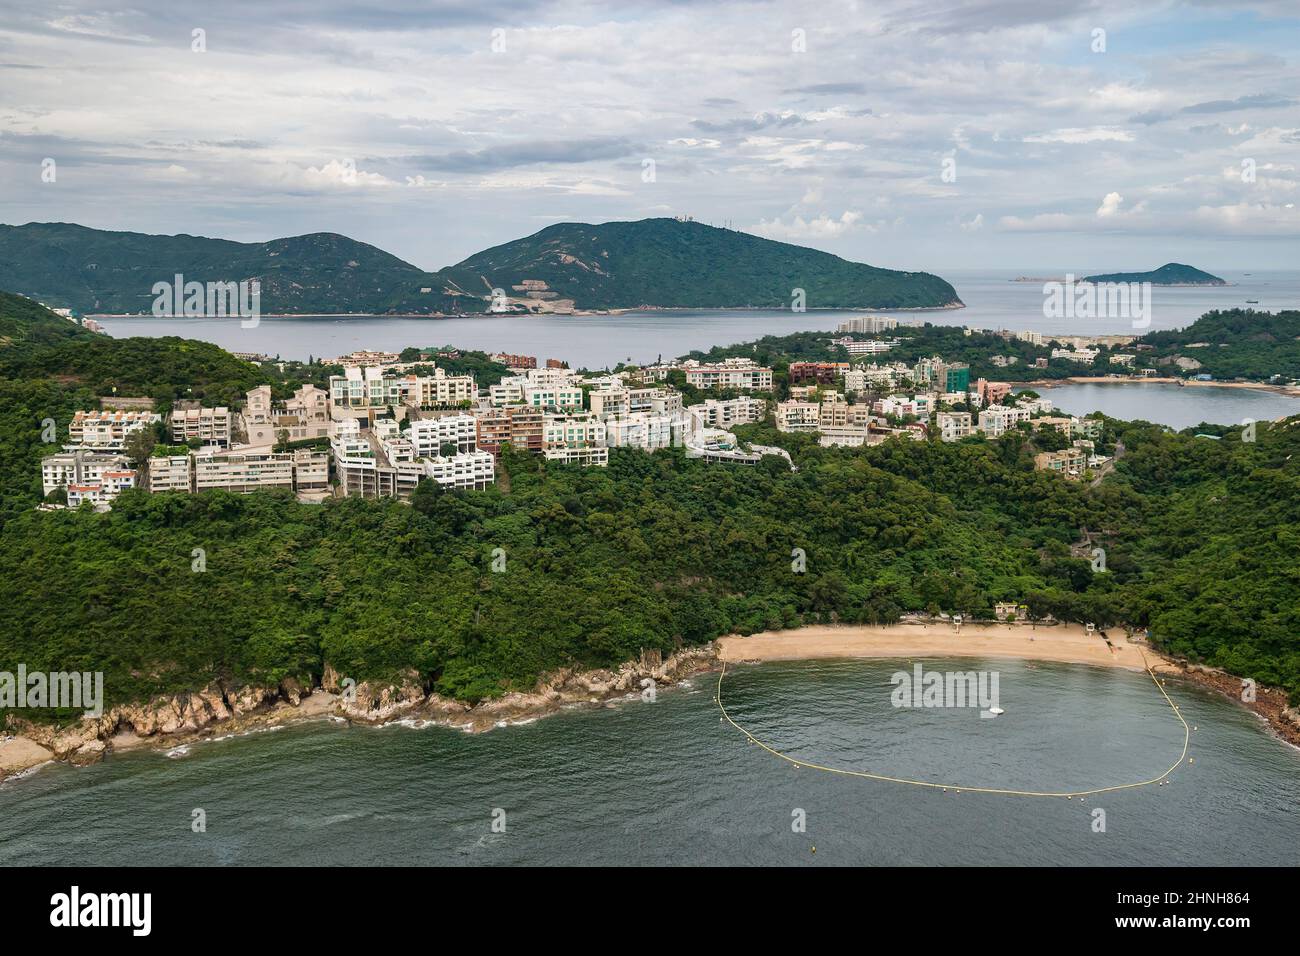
<point x="1016" y="135"/>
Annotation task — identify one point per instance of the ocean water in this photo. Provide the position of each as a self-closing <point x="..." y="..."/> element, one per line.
<point x="992" y="300"/>
<point x="1176" y="406"/>
<point x="669" y="783"/>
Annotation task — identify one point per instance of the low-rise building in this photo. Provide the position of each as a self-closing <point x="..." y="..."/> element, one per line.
<point x="192" y="422"/>
<point x="87" y="475"/>
<point x="169" y="469"/>
<point x="796" y="416"/>
<point x="1069" y="462"/>
<point x="954" y="426"/>
<point x="733" y="373"/>
<point x="429" y="435"/>
<point x="241" y="472"/>
<point x="725" y="412"/>
<point x="107" y="430"/>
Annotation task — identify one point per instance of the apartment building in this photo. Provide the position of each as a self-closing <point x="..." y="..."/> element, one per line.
<point x="870" y="324"/>
<point x="992" y="392"/>
<point x="797" y="416"/>
<point x="588" y="457"/>
<point x="514" y="361"/>
<point x="722" y="413"/>
<point x="102" y="493"/>
<point x="107" y="430"/>
<point x="1069" y="462"/>
<point x="819" y="373"/>
<point x="474" y="470"/>
<point x="364" y="386"/>
<point x="208" y="426"/>
<point x="995" y="420"/>
<point x="954" y="426"/>
<point x="242" y="473"/>
<point x="311" y="470"/>
<point x="518" y="425"/>
<point x="647" y="431"/>
<point x="733" y="373"/>
<point x="305" y="415"/>
<point x="87" y="474"/>
<point x="861" y="378"/>
<point x="863" y="347"/>
<point x="438" y="390"/>
<point x="836" y="411"/>
<point x="428" y="435"/>
<point x="1087" y="427"/>
<point x="579" y="430"/>
<point x="1063" y="425"/>
<point x="169" y="472"/>
<point x="1075" y="355"/>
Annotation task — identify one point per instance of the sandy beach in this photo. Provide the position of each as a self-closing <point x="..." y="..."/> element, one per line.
<point x="1067" y="643"/>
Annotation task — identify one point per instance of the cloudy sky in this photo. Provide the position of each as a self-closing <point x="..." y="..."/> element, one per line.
<point x="1003" y="134"/>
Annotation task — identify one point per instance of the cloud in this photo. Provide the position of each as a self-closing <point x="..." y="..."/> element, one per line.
<point x="1096" y="134"/>
<point x="532" y="153"/>
<point x="1110" y="204"/>
<point x="820" y="227"/>
<point x="830" y="89"/>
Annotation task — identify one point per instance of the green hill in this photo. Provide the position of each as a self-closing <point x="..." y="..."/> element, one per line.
<point x="1171" y="273"/>
<point x="660" y="263"/>
<point x="668" y="263"/>
<point x="24" y="321"/>
<point x="114" y="272"/>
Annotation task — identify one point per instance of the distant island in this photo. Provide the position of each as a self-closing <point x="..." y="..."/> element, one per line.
<point x="564" y="268"/>
<point x="1171" y="273"/>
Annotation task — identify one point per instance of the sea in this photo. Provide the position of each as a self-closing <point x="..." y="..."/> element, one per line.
<point x="668" y="782"/>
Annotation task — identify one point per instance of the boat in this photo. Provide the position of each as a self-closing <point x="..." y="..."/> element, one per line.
<point x="996" y="710"/>
<point x="1252" y="301"/>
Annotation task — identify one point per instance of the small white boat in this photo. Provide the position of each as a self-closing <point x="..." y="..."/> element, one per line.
<point x="996" y="710"/>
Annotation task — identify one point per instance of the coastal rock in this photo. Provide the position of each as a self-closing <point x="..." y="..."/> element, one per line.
<point x="291" y="691"/>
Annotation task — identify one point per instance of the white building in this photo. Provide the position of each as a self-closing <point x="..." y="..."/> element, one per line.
<point x="733" y="373"/>
<point x="954" y="426"/>
<point x="105" y="430"/>
<point x="473" y="470"/>
<point x="725" y="412"/>
<point x="88" y="475"/>
<point x="428" y="435"/>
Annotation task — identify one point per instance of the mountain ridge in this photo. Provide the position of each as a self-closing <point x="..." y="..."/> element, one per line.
<point x="620" y="265"/>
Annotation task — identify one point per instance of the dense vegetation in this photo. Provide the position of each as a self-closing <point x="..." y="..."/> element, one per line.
<point x="1238" y="344"/>
<point x="1171" y="273"/>
<point x="672" y="264"/>
<point x="654" y="262"/>
<point x="657" y="551"/>
<point x="93" y="270"/>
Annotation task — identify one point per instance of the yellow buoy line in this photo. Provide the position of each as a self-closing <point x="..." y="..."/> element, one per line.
<point x="961" y="788"/>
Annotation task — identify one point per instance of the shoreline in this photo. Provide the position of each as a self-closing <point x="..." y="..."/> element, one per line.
<point x="1057" y="643"/>
<point x="1288" y="390"/>
<point x="1062" y="643"/>
<point x="192" y="718"/>
<point x="581" y="313"/>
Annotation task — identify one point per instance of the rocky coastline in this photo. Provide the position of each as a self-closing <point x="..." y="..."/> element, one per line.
<point x="217" y="710"/>
<point x="176" y="720"/>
